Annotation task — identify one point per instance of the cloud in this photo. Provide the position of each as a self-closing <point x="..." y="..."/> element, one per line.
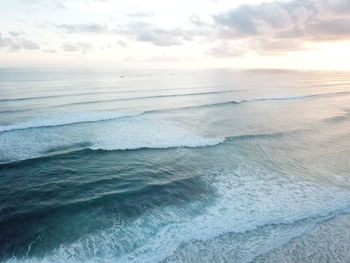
<point x="166" y="58"/>
<point x="266" y="46"/>
<point x="15" y="42"/>
<point x="295" y="18"/>
<point x="122" y="43"/>
<point x="50" y="51"/>
<point x="48" y="4"/>
<point x="270" y="28"/>
<point x="137" y="31"/>
<point x="28" y="44"/>
<point x="146" y="32"/>
<point x="228" y="50"/>
<point x="330" y="29"/>
<point x="15" y="33"/>
<point x="70" y="48"/>
<point x="273" y="27"/>
<point x="83" y="28"/>
<point x="282" y="26"/>
<point x="141" y="14"/>
<point x="239" y="20"/>
<point x="196" y="21"/>
<point x="158" y="59"/>
<point x="82" y="47"/>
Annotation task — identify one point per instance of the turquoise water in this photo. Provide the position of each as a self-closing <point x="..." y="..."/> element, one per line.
<point x="181" y="166"/>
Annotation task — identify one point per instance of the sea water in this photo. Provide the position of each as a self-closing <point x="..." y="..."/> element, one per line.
<point x="174" y="166"/>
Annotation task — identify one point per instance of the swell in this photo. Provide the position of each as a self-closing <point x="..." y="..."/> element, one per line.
<point x="328" y="85"/>
<point x="141" y="196"/>
<point x="110" y="115"/>
<point x="111" y="100"/>
<point x="120" y="192"/>
<point x="132" y="91"/>
<point x="147" y="97"/>
<point x="273" y="135"/>
<point x="68" y="119"/>
<point x="233" y="102"/>
<point x="295" y="97"/>
<point x="339" y="118"/>
<point x="96" y="93"/>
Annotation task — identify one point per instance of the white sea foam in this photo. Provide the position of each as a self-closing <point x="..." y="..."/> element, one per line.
<point x="246" y="199"/>
<point x="332" y="239"/>
<point x="148" y="133"/>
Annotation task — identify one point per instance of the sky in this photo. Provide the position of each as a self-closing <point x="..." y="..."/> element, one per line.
<point x="126" y="34"/>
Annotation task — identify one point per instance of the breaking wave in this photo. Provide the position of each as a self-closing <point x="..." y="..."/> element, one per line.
<point x="249" y="200"/>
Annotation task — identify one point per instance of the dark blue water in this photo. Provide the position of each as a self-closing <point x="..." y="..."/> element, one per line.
<point x="157" y="166"/>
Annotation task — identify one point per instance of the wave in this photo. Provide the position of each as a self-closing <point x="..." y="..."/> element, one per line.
<point x="123" y="134"/>
<point x="253" y="212"/>
<point x="134" y="134"/>
<point x="295" y="97"/>
<point x="100" y="92"/>
<point x="327" y="85"/>
<point x="319" y="85"/>
<point x="237" y="102"/>
<point x="64" y="95"/>
<point x="108" y="131"/>
<point x="133" y="91"/>
<point x="155" y="143"/>
<point x="334" y="237"/>
<point x="230" y="102"/>
<point x="272" y="135"/>
<point x="98" y="116"/>
<point x="146" y="97"/>
<point x="67" y="119"/>
<point x="339" y="118"/>
<point x="277" y="98"/>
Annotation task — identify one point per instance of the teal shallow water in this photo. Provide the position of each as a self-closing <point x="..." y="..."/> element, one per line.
<point x="203" y="166"/>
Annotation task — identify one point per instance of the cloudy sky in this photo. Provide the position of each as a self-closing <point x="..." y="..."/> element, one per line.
<point x="310" y="34"/>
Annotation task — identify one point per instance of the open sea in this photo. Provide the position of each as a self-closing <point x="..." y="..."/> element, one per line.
<point x="174" y="166"/>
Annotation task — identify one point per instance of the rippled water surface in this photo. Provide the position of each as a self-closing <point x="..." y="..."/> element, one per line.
<point x="181" y="166"/>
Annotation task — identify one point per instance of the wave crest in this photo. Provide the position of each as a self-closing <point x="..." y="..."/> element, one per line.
<point x="67" y="119"/>
<point x="120" y="134"/>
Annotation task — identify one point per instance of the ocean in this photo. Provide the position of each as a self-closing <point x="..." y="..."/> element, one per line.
<point x="174" y="166"/>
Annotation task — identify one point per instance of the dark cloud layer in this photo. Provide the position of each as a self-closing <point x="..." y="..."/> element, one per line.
<point x="281" y="26"/>
<point x="330" y="29"/>
<point x="306" y="19"/>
